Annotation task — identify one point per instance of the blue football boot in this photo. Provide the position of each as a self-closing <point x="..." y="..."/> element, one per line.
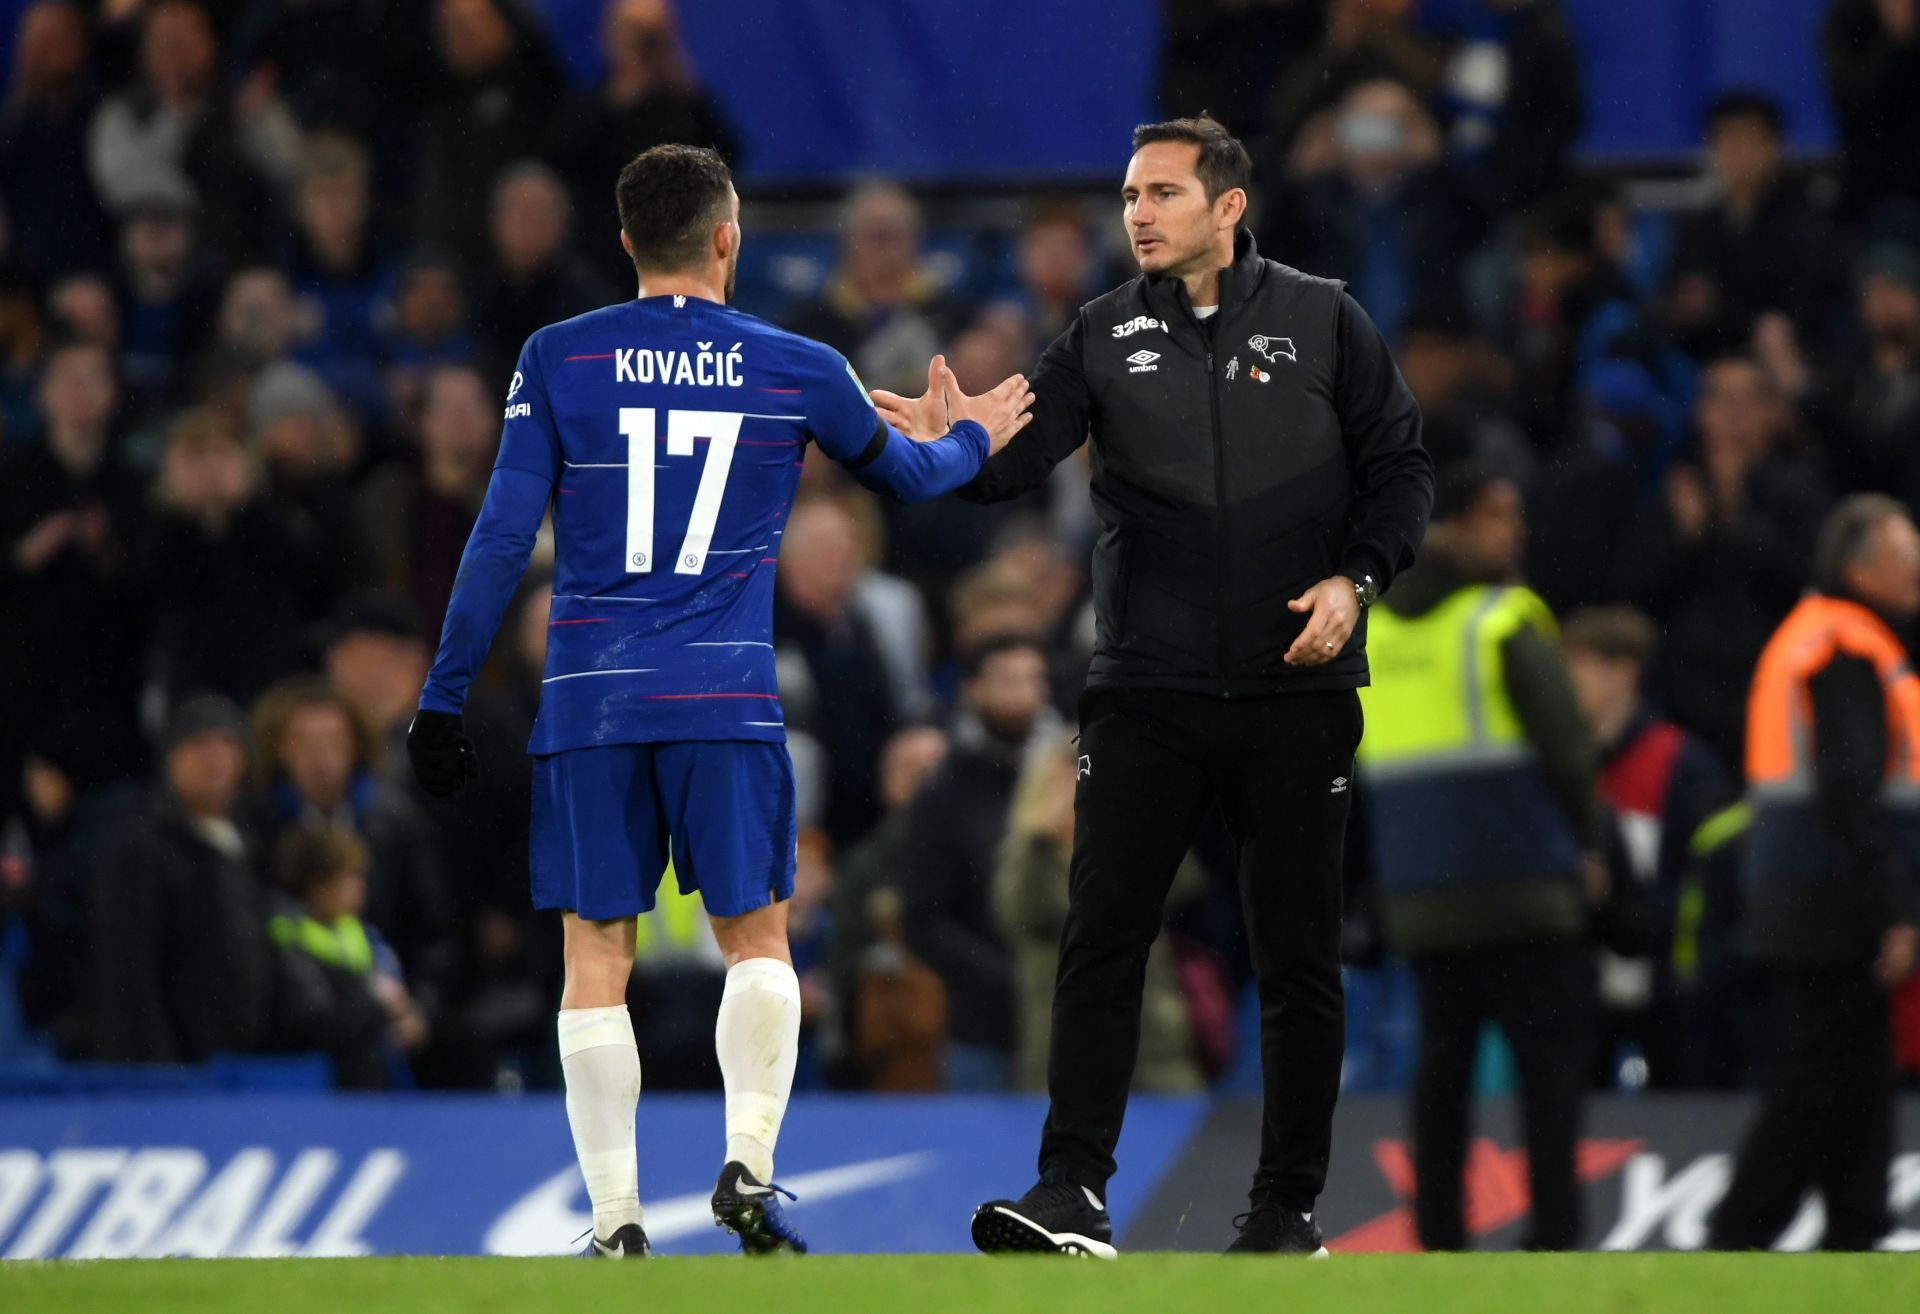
<point x="751" y="1210"/>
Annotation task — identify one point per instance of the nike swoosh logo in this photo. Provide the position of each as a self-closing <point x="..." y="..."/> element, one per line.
<point x="1093" y="1199"/>
<point x="544" y="1220"/>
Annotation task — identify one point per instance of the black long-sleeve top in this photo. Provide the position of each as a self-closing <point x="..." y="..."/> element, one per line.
<point x="1237" y="460"/>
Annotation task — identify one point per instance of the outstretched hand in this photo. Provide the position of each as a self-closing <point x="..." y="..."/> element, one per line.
<point x="923" y="418"/>
<point x="1001" y="411"/>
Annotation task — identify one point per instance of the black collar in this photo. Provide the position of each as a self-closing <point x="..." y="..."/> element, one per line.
<point x="1237" y="283"/>
<point x="1900" y="627"/>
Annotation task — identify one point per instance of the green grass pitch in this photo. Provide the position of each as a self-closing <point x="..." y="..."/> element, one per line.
<point x="1159" y="1284"/>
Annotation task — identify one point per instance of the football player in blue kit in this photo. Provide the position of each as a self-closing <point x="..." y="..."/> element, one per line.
<point x="666" y="435"/>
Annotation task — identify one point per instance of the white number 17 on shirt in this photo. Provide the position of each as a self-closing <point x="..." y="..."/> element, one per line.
<point x="721" y="429"/>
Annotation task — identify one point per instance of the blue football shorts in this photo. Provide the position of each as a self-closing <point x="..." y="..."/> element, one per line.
<point x="604" y="818"/>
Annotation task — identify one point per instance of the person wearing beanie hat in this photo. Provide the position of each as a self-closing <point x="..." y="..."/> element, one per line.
<point x="302" y="434"/>
<point x="284" y="390"/>
<point x="204" y="714"/>
<point x="168" y="285"/>
<point x="181" y="968"/>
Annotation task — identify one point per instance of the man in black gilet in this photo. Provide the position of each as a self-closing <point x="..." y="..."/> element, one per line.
<point x="1259" y="478"/>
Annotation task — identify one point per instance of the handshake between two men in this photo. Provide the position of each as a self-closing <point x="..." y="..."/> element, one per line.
<point x="1002" y="411"/>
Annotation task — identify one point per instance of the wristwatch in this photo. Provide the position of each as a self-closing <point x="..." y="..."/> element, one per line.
<point x="1364" y="590"/>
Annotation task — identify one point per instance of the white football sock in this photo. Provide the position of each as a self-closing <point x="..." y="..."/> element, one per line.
<point x="758" y="1039"/>
<point x="602" y="1067"/>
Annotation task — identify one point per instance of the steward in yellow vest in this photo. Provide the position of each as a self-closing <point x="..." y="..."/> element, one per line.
<point x="1479" y="776"/>
<point x="1478" y="768"/>
<point x="675" y="933"/>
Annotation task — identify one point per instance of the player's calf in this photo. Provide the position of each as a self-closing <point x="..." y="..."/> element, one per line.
<point x="602" y="1070"/>
<point x="757" y="1034"/>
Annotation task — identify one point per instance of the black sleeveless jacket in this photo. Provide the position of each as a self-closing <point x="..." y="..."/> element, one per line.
<point x="1236" y="461"/>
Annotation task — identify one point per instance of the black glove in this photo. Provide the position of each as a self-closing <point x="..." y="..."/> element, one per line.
<point x="443" y="758"/>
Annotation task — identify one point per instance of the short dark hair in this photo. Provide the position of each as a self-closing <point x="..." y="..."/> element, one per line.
<point x="670" y="197"/>
<point x="1562" y="225"/>
<point x="1616" y="633"/>
<point x="309" y="856"/>
<point x="1844" y="535"/>
<point x="974" y="661"/>
<point x="1223" y="164"/>
<point x="63" y="342"/>
<point x="1459" y="485"/>
<point x="1746" y="103"/>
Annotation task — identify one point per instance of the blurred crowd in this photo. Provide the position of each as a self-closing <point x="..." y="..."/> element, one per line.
<point x="264" y="269"/>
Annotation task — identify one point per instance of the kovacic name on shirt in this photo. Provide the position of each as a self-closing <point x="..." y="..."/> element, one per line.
<point x="704" y="368"/>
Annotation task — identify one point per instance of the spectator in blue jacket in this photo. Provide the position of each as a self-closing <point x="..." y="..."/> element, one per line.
<point x="338" y="269"/>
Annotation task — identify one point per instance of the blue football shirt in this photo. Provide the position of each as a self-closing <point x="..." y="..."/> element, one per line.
<point x="667" y="435"/>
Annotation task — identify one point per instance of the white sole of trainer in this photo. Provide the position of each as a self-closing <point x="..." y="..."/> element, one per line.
<point x="1064" y="1243"/>
<point x="1321" y="1253"/>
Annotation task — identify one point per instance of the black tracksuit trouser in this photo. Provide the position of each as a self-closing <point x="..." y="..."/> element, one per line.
<point x="1151" y="764"/>
<point x="1826" y="1123"/>
<point x="1540" y="993"/>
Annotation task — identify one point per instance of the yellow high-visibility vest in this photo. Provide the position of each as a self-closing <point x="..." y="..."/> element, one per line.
<point x="1454" y="785"/>
<point x="672" y="929"/>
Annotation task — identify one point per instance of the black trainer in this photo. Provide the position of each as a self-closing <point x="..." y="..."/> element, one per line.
<point x="1270" y="1228"/>
<point x="629" y="1241"/>
<point x="1055" y="1217"/>
<point x="751" y="1210"/>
